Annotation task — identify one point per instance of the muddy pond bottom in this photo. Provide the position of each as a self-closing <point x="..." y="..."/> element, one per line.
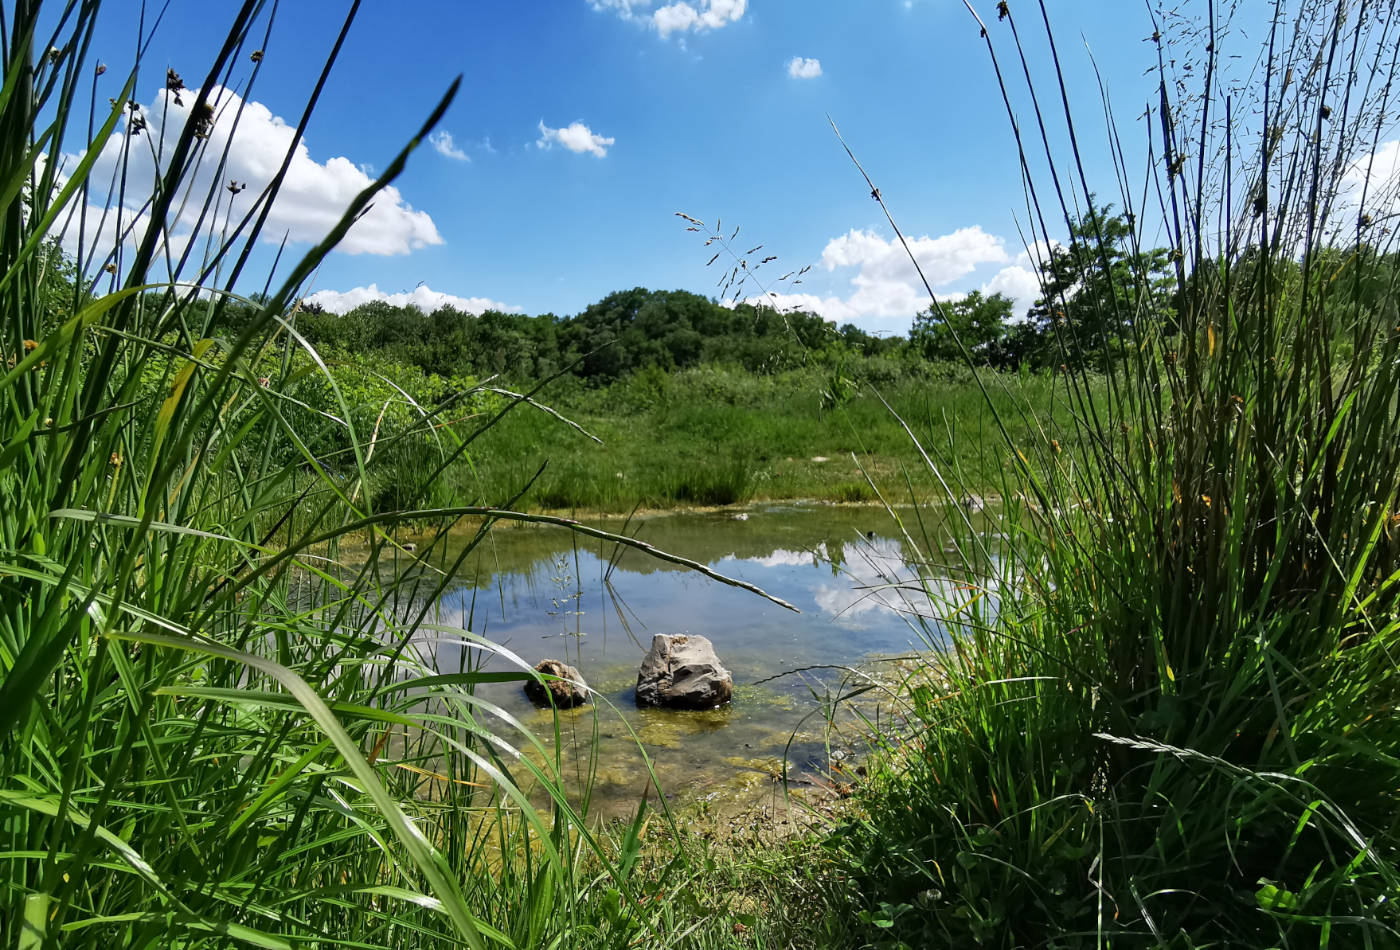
<point x="544" y="592"/>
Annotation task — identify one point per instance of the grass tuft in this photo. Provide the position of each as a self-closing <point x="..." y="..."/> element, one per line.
<point x="1165" y="717"/>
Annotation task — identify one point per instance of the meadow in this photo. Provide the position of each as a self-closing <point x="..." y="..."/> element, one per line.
<point x="711" y="436"/>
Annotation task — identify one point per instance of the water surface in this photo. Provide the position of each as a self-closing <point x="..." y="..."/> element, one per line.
<point x="545" y="592"/>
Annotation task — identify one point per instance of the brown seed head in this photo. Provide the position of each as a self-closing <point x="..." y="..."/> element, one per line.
<point x="203" y="119"/>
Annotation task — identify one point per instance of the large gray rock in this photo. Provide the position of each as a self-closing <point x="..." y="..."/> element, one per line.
<point x="566" y="692"/>
<point x="682" y="672"/>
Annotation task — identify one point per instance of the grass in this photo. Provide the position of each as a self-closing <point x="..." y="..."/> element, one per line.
<point x="714" y="436"/>
<point x="214" y="730"/>
<point x="1167" y="720"/>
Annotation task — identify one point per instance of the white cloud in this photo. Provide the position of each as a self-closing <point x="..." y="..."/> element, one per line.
<point x="804" y="68"/>
<point x="311" y="201"/>
<point x="1019" y="283"/>
<point x="1020" y="279"/>
<point x="424" y="298"/>
<point x="886" y="283"/>
<point x="627" y="9"/>
<point x="576" y="137"/>
<point x="1377" y="175"/>
<point x="442" y="143"/>
<point x="675" y="17"/>
<point x="680" y="17"/>
<point x="711" y="15"/>
<point x="886" y="289"/>
<point x="832" y="308"/>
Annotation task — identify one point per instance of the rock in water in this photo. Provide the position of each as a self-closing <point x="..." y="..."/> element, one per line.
<point x="682" y="672"/>
<point x="565" y="695"/>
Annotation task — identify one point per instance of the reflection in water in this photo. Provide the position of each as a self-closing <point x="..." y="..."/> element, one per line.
<point x="543" y="592"/>
<point x="879" y="581"/>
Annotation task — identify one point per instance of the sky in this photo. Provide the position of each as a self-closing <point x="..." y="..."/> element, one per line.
<point x="582" y="127"/>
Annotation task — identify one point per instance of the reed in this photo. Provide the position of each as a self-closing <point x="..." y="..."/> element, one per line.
<point x="1167" y="714"/>
<point x="221" y="724"/>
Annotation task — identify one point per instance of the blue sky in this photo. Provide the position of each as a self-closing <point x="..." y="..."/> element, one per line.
<point x="582" y="126"/>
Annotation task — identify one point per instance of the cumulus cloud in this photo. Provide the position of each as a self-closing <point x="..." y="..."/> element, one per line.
<point x="1377" y="176"/>
<point x="312" y="199"/>
<point x="1020" y="280"/>
<point x="576" y="137"/>
<point x="424" y="298"/>
<point x="1019" y="283"/>
<point x="442" y="143"/>
<point x="832" y="308"/>
<point x="804" y="68"/>
<point x="887" y="291"/>
<point x="680" y="17"/>
<point x="711" y="15"/>
<point x="627" y="9"/>
<point x="886" y="283"/>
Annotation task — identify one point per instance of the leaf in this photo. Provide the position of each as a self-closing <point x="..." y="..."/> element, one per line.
<point x="177" y="391"/>
<point x="36" y="919"/>
<point x="428" y="859"/>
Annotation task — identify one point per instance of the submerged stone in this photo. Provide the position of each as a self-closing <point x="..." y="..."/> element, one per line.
<point x="566" y="692"/>
<point x="683" y="672"/>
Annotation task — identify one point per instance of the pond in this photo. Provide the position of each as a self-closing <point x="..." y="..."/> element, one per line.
<point x="543" y="591"/>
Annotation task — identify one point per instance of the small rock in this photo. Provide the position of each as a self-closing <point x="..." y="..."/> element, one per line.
<point x="566" y="692"/>
<point x="683" y="672"/>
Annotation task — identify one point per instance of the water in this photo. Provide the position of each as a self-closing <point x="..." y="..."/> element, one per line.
<point x="546" y="592"/>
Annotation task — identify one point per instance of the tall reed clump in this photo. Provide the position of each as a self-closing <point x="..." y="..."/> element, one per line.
<point x="1168" y="714"/>
<point x="217" y="727"/>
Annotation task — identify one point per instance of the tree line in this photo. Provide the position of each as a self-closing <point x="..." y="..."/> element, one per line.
<point x="1099" y="289"/>
<point x="626" y="331"/>
<point x="1095" y="288"/>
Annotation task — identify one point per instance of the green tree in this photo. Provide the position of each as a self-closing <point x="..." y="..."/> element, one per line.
<point x="979" y="321"/>
<point x="1098" y="289"/>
